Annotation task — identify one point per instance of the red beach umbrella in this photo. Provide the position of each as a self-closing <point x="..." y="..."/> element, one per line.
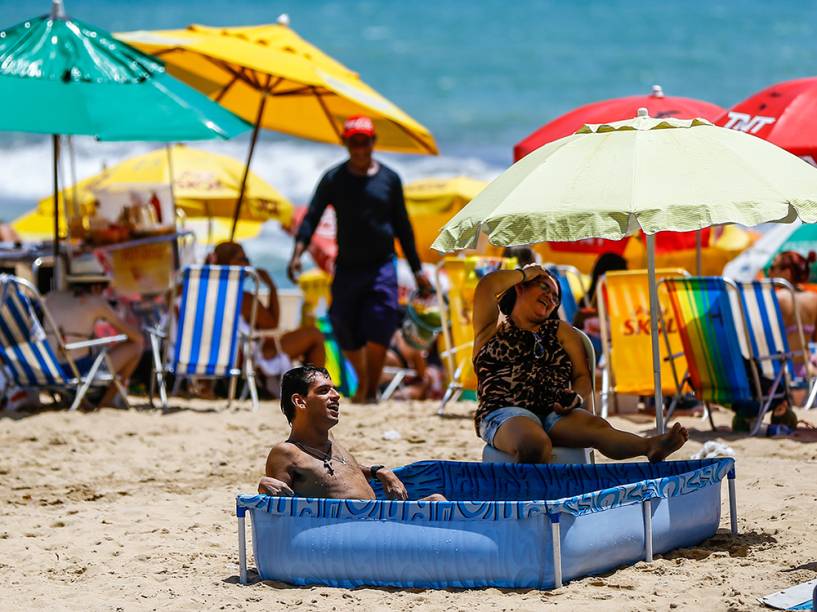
<point x="616" y="109"/>
<point x="783" y="114"/>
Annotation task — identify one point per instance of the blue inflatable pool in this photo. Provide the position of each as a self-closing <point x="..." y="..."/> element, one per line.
<point x="506" y="525"/>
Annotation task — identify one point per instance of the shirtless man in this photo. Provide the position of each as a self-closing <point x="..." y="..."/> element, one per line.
<point x="76" y="312"/>
<point x="310" y="463"/>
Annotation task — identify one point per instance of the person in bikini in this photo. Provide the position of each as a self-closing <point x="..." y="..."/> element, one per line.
<point x="533" y="379"/>
<point x="793" y="267"/>
<point x="311" y="463"/>
<point x="796" y="269"/>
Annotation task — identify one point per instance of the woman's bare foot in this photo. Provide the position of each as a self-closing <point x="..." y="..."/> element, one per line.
<point x="664" y="445"/>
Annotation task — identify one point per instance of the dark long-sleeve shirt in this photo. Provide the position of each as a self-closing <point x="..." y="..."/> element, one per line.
<point x="370" y="212"/>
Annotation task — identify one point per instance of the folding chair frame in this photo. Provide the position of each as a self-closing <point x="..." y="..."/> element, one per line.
<point x="77" y="383"/>
<point x="566" y="271"/>
<point x="161" y="354"/>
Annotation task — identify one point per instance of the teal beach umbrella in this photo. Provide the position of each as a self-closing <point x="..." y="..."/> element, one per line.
<point x="61" y="76"/>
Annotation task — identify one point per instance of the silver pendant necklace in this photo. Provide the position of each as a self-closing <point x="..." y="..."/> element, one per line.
<point x="327" y="458"/>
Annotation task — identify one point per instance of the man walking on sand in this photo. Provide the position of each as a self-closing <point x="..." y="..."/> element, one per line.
<point x="310" y="463"/>
<point x="368" y="201"/>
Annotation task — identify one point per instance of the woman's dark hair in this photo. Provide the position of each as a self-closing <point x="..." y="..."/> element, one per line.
<point x="796" y="264"/>
<point x="508" y="299"/>
<point x="524" y="255"/>
<point x="297" y="380"/>
<point x="607" y="262"/>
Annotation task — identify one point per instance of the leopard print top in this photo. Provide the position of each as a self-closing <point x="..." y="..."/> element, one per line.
<point x="513" y="371"/>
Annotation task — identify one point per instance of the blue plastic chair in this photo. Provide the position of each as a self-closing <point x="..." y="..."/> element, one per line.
<point x="569" y="306"/>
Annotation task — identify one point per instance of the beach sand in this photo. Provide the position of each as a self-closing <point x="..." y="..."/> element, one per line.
<point x="134" y="510"/>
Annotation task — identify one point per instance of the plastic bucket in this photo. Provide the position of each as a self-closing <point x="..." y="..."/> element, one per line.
<point x="422" y="323"/>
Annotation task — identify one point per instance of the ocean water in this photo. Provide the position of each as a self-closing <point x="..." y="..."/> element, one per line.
<point x="480" y="75"/>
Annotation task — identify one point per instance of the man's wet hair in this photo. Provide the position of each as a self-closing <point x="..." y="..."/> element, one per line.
<point x="297" y="380"/>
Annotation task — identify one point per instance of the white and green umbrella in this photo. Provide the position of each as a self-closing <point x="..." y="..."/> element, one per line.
<point x="798" y="237"/>
<point x="608" y="180"/>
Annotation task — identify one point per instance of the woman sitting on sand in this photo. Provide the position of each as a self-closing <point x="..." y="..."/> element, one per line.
<point x="532" y="376"/>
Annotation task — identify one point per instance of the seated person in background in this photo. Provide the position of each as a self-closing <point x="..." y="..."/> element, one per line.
<point x="310" y="463"/>
<point x="76" y="312"/>
<point x="793" y="267"/>
<point x="587" y="319"/>
<point x="532" y="376"/>
<point x="274" y="354"/>
<point x="427" y="381"/>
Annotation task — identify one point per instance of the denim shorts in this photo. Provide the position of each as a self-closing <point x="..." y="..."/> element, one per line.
<point x="491" y="422"/>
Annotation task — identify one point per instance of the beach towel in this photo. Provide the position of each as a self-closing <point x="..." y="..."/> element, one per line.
<point x="799" y="597"/>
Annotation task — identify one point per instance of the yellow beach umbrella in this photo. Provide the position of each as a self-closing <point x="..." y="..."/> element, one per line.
<point x="270" y="76"/>
<point x="297" y="88"/>
<point x="431" y="202"/>
<point x="205" y="184"/>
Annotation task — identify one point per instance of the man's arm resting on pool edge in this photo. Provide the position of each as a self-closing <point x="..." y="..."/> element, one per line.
<point x="278" y="477"/>
<point x="392" y="485"/>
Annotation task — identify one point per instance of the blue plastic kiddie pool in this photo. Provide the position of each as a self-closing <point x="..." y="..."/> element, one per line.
<point x="505" y="525"/>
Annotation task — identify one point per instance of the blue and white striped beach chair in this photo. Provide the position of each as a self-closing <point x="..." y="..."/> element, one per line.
<point x="767" y="334"/>
<point x="30" y="359"/>
<point x="208" y="330"/>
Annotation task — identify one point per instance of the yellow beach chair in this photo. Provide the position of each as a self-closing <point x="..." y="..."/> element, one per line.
<point x="463" y="274"/>
<point x="624" y="319"/>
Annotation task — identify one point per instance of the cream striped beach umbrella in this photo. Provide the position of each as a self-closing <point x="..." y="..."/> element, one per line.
<point x="608" y="180"/>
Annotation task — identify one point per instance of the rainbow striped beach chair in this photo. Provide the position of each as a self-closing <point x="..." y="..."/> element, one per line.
<point x="208" y="330"/>
<point x="30" y="358"/>
<point x="725" y="354"/>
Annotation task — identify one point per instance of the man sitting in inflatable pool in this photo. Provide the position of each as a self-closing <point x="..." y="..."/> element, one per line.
<point x="533" y="379"/>
<point x="310" y="463"/>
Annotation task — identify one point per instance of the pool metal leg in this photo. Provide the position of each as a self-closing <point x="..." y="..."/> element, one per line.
<point x="733" y="503"/>
<point x="646" y="508"/>
<point x="555" y="534"/>
<point x="242" y="545"/>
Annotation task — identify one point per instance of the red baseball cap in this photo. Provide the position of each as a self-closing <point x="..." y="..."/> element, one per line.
<point x="359" y="124"/>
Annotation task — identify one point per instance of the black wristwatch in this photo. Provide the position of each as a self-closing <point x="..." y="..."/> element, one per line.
<point x="373" y="470"/>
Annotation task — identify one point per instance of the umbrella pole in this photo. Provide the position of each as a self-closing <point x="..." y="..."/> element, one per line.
<point x="253" y="140"/>
<point x="656" y="354"/>
<point x="170" y="182"/>
<point x="698" y="241"/>
<point x="55" y="140"/>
